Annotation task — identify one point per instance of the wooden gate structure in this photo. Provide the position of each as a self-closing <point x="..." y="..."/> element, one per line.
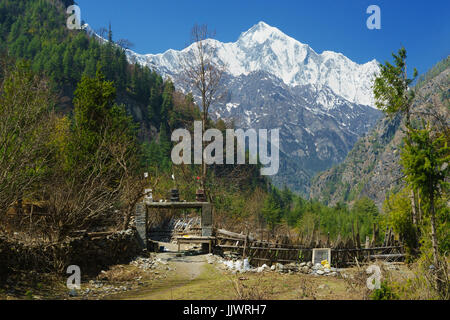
<point x="141" y="218"/>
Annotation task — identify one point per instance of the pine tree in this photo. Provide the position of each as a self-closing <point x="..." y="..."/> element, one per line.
<point x="167" y="101"/>
<point x="272" y="210"/>
<point x="393" y="95"/>
<point x="425" y="161"/>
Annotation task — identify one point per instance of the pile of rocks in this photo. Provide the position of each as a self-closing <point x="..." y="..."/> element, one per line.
<point x="230" y="262"/>
<point x="148" y="263"/>
<point x="320" y="270"/>
<point x="230" y="255"/>
<point x="144" y="263"/>
<point x="306" y="268"/>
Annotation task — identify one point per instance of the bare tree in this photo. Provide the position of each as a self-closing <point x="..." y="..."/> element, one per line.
<point x="203" y="74"/>
<point x="25" y="127"/>
<point x="125" y="44"/>
<point x="102" y="32"/>
<point x="87" y="193"/>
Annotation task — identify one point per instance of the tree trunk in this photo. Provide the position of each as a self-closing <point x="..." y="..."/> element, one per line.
<point x="434" y="240"/>
<point x="204" y="167"/>
<point x="419" y="210"/>
<point x="413" y="208"/>
<point x="127" y="218"/>
<point x="440" y="278"/>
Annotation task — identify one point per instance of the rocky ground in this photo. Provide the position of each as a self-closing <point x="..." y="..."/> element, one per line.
<point x="235" y="265"/>
<point x="189" y="275"/>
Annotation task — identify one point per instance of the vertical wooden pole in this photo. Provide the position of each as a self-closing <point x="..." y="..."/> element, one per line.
<point x="245" y="247"/>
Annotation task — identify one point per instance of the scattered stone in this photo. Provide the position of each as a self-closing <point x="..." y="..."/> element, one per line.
<point x="317" y="266"/>
<point x="73" y="293"/>
<point x="323" y="286"/>
<point x="279" y="267"/>
<point x="305" y="269"/>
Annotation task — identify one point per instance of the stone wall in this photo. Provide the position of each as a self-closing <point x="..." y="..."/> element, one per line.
<point x="91" y="255"/>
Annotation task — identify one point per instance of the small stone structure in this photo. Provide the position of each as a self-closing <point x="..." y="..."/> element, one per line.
<point x="141" y="217"/>
<point x="320" y="254"/>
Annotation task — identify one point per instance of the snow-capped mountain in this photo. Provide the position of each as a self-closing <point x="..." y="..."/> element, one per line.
<point x="265" y="48"/>
<point x="321" y="102"/>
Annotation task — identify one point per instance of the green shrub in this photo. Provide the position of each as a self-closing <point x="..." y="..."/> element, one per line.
<point x="384" y="293"/>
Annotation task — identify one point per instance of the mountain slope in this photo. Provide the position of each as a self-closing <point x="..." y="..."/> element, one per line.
<point x="372" y="167"/>
<point x="321" y="102"/>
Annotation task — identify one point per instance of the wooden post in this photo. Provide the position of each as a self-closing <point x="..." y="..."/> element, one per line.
<point x="385" y="237"/>
<point x="353" y="234"/>
<point x="245" y="247"/>
<point x="388" y="238"/>
<point x="358" y="240"/>
<point x="374" y="236"/>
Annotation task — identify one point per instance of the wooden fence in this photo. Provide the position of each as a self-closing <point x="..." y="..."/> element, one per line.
<point x="342" y="253"/>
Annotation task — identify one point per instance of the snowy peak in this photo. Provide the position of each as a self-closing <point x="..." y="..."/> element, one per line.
<point x="266" y="48"/>
<point x="260" y="33"/>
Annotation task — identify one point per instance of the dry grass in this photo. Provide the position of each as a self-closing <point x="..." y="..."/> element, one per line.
<point x="245" y="291"/>
<point x="307" y="289"/>
<point x="420" y="283"/>
<point x="121" y="273"/>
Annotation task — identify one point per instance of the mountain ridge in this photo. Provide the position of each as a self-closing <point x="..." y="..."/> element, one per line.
<point x="321" y="102"/>
<point x="266" y="48"/>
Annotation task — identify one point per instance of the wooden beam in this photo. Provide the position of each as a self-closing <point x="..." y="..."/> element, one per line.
<point x="176" y="205"/>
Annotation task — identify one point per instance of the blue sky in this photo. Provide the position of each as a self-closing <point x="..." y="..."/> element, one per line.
<point x="423" y="27"/>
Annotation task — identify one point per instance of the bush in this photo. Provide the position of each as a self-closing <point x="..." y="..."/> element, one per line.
<point x="384" y="293"/>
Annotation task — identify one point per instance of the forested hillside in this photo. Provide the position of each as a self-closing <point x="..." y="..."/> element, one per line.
<point x="372" y="168"/>
<point x="35" y="30"/>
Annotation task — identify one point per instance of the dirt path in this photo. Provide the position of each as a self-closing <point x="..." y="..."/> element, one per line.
<point x="185" y="267"/>
<point x="185" y="271"/>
